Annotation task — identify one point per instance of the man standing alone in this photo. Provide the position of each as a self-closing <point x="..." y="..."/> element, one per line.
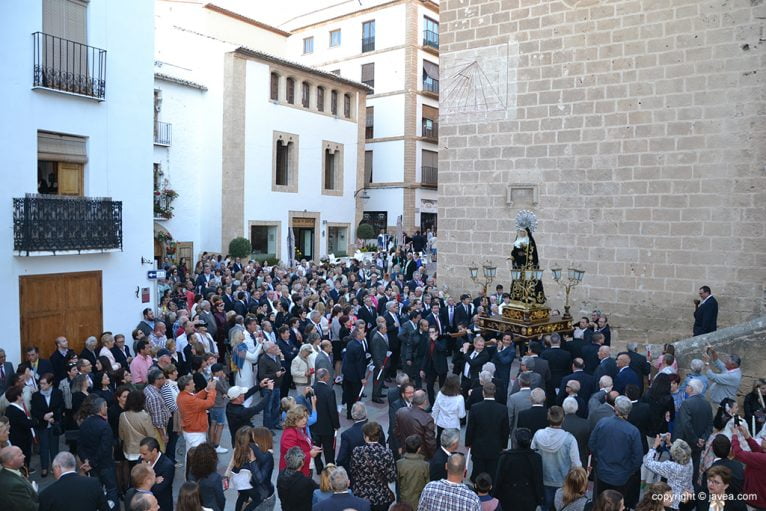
<point x="705" y="312"/>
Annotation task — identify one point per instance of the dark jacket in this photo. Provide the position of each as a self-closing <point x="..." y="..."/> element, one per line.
<point x="488" y="429"/>
<point x="58" y="361"/>
<point x="295" y="491"/>
<point x="534" y="419"/>
<point x="267" y="368"/>
<point x="327" y="410"/>
<point x="694" y="421"/>
<point x="578" y="428"/>
<point x="606" y="367"/>
<point x="240" y="415"/>
<point x="586" y="381"/>
<point x="73" y="492"/>
<point x="40" y="408"/>
<point x="164" y="491"/>
<point x="590" y="357"/>
<point x="354" y="365"/>
<point x="640" y="365"/>
<point x="658" y="409"/>
<point x="415" y="421"/>
<point x="560" y="363"/>
<point x="437" y="466"/>
<point x="435" y="363"/>
<point x="475" y="363"/>
<point x="640" y="417"/>
<point x="211" y="491"/>
<point x="503" y="360"/>
<point x="21" y="428"/>
<point x="626" y="376"/>
<point x="518" y="484"/>
<point x="706" y="317"/>
<point x="17" y="493"/>
<point x="96" y="442"/>
<point x="341" y="502"/>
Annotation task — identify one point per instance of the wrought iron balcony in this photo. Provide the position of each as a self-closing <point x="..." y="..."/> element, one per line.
<point x="368" y="44"/>
<point x="431" y="85"/>
<point x="163" y="133"/>
<point x="429" y="176"/>
<point x="431" y="38"/>
<point x="54" y="223"/>
<point x="68" y="66"/>
<point x="430" y="129"/>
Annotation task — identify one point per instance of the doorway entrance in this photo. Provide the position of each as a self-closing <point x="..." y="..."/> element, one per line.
<point x="52" y="305"/>
<point x="428" y="221"/>
<point x="304" y="230"/>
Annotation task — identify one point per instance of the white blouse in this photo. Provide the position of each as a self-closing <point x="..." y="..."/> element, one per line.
<point x="448" y="410"/>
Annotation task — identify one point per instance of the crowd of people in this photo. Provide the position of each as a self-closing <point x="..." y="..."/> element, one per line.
<point x="231" y="339"/>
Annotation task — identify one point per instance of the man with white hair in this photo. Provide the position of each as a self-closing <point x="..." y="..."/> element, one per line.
<point x="606" y="365"/>
<point x="535" y="417"/>
<point x="616" y="447"/>
<point x="696" y="366"/>
<point x="341" y="497"/>
<point x="604" y="387"/>
<point x="526" y="367"/>
<point x="725" y="380"/>
<point x="577" y="426"/>
<point x="694" y="421"/>
<point x="71" y="491"/>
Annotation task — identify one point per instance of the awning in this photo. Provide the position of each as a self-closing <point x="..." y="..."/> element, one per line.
<point x="431" y="69"/>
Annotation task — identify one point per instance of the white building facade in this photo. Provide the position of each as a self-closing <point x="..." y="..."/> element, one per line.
<point x="77" y="95"/>
<point x="393" y="48"/>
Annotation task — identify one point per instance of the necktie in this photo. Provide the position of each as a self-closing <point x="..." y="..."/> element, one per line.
<point x="451" y="314"/>
<point x="2" y="372"/>
<point x="468" y="366"/>
<point x="468" y="312"/>
<point x="432" y="347"/>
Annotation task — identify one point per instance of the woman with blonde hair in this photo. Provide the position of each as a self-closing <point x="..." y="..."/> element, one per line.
<point x="295" y="434"/>
<point x="244" y="354"/>
<point x="571" y="496"/>
<point x="301" y="369"/>
<point x="241" y="466"/>
<point x="656" y="497"/>
<point x="107" y="343"/>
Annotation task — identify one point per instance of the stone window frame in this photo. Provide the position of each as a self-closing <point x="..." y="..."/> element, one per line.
<point x="340" y="225"/>
<point x="293" y="167"/>
<point x="532" y="187"/>
<point x="339" y="151"/>
<point x="267" y="223"/>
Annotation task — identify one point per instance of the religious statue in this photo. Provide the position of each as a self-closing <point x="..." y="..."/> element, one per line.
<point x="527" y="288"/>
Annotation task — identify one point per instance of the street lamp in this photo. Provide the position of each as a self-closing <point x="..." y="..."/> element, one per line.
<point x="489" y="272"/>
<point x="574" y="277"/>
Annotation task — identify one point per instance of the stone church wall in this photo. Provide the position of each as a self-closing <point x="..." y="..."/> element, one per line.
<point x="636" y="131"/>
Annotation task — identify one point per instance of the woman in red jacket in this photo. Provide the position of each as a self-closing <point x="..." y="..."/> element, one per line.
<point x="755" y="466"/>
<point x="295" y="434"/>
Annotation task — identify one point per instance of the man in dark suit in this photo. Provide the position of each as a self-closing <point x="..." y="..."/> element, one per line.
<point x="96" y="446"/>
<point x="6" y="370"/>
<point x="464" y="310"/>
<point x="164" y="470"/>
<point x="503" y="359"/>
<point x="572" y="389"/>
<point x="379" y="346"/>
<point x="487" y="432"/>
<point x="638" y="363"/>
<point x="559" y="360"/>
<point x="409" y="267"/>
<point x="324" y="359"/>
<point x="394" y="343"/>
<point x="367" y="312"/>
<point x="71" y="491"/>
<point x="60" y="357"/>
<point x="413" y="342"/>
<point x="606" y="364"/>
<point x="353" y="436"/>
<point x="694" y="421"/>
<point x="203" y="280"/>
<point x="341" y="499"/>
<point x="536" y="417"/>
<point x="705" y="312"/>
<point x="17" y="493"/>
<point x="354" y="370"/>
<point x="640" y="414"/>
<point x="240" y="306"/>
<point x="586" y="380"/>
<point x="542" y="368"/>
<point x="577" y="426"/>
<point x="21" y="433"/>
<point x="590" y="353"/>
<point x="449" y="443"/>
<point x="625" y="375"/>
<point x="434" y="362"/>
<point x="469" y="364"/>
<point x="38" y="366"/>
<point x="328" y="422"/>
<point x="121" y="352"/>
<point x="398" y="397"/>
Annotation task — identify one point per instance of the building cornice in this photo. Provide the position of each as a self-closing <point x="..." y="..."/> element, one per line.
<point x="179" y="81"/>
<point x="245" y="19"/>
<point x="265" y="57"/>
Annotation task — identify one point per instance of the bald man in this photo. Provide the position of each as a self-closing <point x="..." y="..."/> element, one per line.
<point x="17" y="492"/>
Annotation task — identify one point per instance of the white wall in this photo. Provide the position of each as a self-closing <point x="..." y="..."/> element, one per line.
<point x="119" y="148"/>
<point x="387" y="161"/>
<point x="385" y="199"/>
<point x="262" y="119"/>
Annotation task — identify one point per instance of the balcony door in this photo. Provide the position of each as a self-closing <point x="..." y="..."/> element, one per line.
<point x="52" y="305"/>
<point x="60" y="164"/>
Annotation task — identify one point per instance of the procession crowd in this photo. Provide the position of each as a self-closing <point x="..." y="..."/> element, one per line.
<point x="476" y="420"/>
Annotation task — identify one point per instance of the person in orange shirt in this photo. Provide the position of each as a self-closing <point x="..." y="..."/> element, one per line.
<point x="193" y="409"/>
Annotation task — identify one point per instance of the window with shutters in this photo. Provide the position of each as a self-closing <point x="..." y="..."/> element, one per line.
<point x="308" y="45"/>
<point x="305" y="91"/>
<point x="430" y="123"/>
<point x="274" y="92"/>
<point x="430" y="33"/>
<point x="332" y="168"/>
<point x="320" y="99"/>
<point x="347" y="106"/>
<point x="66" y="19"/>
<point x="369" y="122"/>
<point x="430" y="168"/>
<point x="367" y="167"/>
<point x="334" y="102"/>
<point x="291" y="91"/>
<point x="60" y="164"/>
<point x="285" y="162"/>
<point x="368" y="36"/>
<point x="430" y="77"/>
<point x="368" y="74"/>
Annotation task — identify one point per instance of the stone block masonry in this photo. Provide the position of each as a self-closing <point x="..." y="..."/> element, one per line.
<point x="640" y="125"/>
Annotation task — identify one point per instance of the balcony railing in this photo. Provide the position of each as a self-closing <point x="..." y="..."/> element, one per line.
<point x="68" y="66"/>
<point x="430" y="130"/>
<point x="53" y="223"/>
<point x="163" y="133"/>
<point x="368" y="44"/>
<point x="431" y="85"/>
<point x="429" y="176"/>
<point x="431" y="38"/>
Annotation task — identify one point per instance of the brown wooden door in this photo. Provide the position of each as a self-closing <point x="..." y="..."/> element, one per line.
<point x="185" y="249"/>
<point x="68" y="304"/>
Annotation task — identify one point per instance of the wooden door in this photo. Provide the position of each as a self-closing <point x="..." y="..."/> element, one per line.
<point x="68" y="304"/>
<point x="70" y="178"/>
<point x="185" y="249"/>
